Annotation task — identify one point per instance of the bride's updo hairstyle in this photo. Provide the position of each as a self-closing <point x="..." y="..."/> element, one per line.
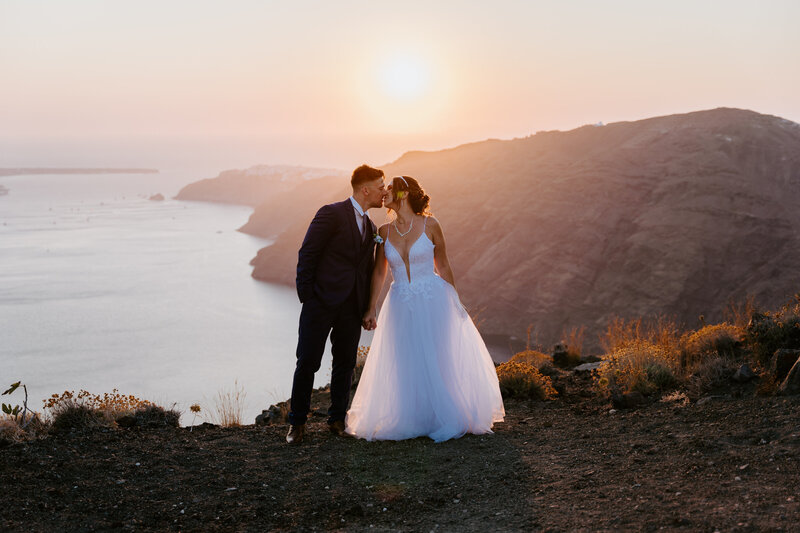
<point x="408" y="187"/>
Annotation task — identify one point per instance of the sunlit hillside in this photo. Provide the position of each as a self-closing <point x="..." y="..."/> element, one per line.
<point x="673" y="215"/>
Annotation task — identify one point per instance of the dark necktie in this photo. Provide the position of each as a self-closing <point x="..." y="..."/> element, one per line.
<point x="365" y="228"/>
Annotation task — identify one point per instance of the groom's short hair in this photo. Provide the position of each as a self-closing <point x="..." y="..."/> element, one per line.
<point x="364" y="174"/>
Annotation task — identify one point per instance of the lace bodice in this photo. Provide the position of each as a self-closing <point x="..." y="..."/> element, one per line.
<point x="420" y="265"/>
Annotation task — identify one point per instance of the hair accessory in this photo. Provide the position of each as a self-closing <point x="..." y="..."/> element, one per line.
<point x="404" y="180"/>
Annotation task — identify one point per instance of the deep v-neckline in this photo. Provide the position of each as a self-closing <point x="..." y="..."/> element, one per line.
<point x="407" y="261"/>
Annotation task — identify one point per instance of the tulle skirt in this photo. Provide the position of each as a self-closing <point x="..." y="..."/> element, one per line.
<point x="428" y="372"/>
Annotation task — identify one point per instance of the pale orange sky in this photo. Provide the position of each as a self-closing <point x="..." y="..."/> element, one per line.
<point x="338" y="83"/>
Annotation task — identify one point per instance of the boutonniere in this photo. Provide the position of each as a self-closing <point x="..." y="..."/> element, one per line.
<point x="377" y="238"/>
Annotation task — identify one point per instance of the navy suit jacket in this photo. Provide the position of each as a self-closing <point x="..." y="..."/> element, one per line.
<point x="334" y="259"/>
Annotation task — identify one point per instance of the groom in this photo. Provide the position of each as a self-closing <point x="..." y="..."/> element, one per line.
<point x="334" y="267"/>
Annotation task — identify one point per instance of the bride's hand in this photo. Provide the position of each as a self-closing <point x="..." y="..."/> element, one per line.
<point x="370" y="320"/>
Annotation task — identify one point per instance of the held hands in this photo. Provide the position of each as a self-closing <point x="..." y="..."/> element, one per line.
<point x="370" y="320"/>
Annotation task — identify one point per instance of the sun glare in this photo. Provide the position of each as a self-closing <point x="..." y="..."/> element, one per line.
<point x="405" y="91"/>
<point x="405" y="77"/>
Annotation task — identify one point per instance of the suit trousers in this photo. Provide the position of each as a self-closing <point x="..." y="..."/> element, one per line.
<point x="317" y="321"/>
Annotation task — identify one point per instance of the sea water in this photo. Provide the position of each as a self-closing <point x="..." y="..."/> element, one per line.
<point x="102" y="288"/>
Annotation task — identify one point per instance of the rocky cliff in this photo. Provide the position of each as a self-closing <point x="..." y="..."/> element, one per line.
<point x="673" y="215"/>
<point x="257" y="184"/>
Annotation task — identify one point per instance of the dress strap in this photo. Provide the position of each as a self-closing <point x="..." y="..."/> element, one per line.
<point x="424" y="223"/>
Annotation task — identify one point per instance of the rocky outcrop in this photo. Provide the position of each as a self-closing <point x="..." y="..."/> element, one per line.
<point x="281" y="211"/>
<point x="258" y="184"/>
<point x="782" y="362"/>
<point x="673" y="215"/>
<point x="158" y="197"/>
<point x="744" y="374"/>
<point x="791" y="385"/>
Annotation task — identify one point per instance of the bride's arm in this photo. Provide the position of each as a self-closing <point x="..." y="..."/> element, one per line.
<point x="440" y="252"/>
<point x="378" y="276"/>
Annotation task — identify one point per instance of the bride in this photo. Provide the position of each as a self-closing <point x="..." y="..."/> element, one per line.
<point x="428" y="372"/>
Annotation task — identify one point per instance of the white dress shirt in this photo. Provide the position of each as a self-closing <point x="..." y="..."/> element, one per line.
<point x="361" y="223"/>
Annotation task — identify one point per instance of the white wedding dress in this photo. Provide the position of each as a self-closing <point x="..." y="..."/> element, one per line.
<point x="428" y="372"/>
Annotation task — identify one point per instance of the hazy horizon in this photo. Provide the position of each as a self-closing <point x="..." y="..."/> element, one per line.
<point x="217" y="85"/>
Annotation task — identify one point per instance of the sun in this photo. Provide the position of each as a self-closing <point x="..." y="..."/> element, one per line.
<point x="405" y="77"/>
<point x="404" y="90"/>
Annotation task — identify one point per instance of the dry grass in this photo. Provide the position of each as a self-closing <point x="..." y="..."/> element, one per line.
<point x="572" y="340"/>
<point x="661" y="331"/>
<point x="712" y="372"/>
<point x="11" y="430"/>
<point x="709" y="341"/>
<point x="676" y="397"/>
<point x="228" y="407"/>
<point x="739" y="313"/>
<point x="641" y="355"/>
<point x="71" y="414"/>
<point x="109" y="405"/>
<point x="533" y="357"/>
<point x="532" y="340"/>
<point x="83" y="410"/>
<point x="361" y="360"/>
<point x="641" y="367"/>
<point x="155" y="415"/>
<point x="522" y="380"/>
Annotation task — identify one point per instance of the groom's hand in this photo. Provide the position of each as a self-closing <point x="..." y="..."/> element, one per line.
<point x="369" y="322"/>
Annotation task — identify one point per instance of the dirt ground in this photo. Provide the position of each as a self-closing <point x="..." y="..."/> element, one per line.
<point x="728" y="464"/>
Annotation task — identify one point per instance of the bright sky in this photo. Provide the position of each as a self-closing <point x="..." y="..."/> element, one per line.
<point x="337" y="83"/>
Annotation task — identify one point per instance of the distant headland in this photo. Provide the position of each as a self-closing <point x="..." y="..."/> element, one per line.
<point x="42" y="170"/>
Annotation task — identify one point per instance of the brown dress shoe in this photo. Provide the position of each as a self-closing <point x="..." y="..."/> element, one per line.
<point x="296" y="433"/>
<point x="338" y="428"/>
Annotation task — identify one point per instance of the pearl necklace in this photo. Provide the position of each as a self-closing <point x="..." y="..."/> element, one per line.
<point x="410" y="226"/>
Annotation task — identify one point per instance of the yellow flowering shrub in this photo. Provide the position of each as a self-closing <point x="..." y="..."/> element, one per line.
<point x="643" y="367"/>
<point x="523" y="380"/>
<point x="712" y="340"/>
<point x="533" y="358"/>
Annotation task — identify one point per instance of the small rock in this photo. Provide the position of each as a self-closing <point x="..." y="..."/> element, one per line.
<point x="158" y="197"/>
<point x="744" y="374"/>
<point x="591" y="359"/>
<point x="705" y="399"/>
<point x="588" y="367"/>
